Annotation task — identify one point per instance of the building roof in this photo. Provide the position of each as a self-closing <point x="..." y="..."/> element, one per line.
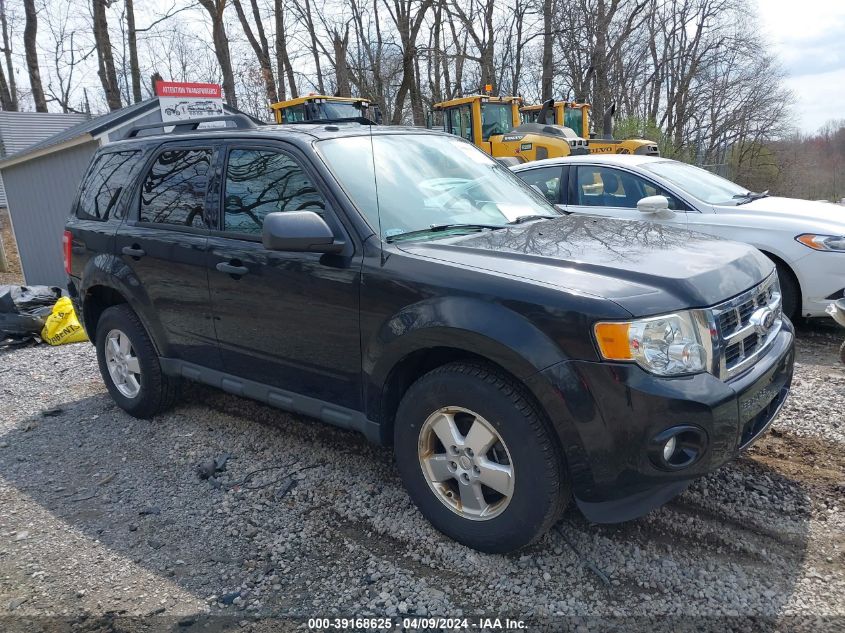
<point x="20" y="130"/>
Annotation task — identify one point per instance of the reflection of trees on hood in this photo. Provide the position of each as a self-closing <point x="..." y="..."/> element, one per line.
<point x="571" y="237"/>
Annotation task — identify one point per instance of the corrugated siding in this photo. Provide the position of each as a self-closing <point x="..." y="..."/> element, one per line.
<point x="19" y="130"/>
<point x="41" y="192"/>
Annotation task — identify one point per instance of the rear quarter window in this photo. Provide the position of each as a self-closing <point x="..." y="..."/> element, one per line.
<point x="101" y="190"/>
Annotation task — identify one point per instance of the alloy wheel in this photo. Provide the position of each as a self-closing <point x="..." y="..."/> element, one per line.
<point x="124" y="368"/>
<point x="466" y="463"/>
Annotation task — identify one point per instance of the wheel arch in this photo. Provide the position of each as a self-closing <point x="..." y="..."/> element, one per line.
<point x="778" y="260"/>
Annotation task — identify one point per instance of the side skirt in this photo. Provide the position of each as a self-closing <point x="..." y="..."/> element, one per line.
<point x="279" y="398"/>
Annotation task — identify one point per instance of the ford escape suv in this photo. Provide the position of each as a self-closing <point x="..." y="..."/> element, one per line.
<point x="401" y="283"/>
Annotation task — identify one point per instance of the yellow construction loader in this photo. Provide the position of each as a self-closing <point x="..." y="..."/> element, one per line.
<point x="322" y="107"/>
<point x="577" y="116"/>
<point x="494" y="125"/>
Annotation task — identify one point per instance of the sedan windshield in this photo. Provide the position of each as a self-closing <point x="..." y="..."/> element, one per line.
<point x="424" y="185"/>
<point x="697" y="182"/>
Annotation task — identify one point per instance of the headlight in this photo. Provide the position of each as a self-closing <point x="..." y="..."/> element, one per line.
<point x="823" y="242"/>
<point x="669" y="345"/>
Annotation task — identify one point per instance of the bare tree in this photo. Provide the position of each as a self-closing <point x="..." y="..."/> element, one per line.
<point x="408" y="16"/>
<point x="283" y="65"/>
<point x="132" y="43"/>
<point x="105" y="57"/>
<point x="215" y="9"/>
<point x="30" y="48"/>
<point x="8" y="90"/>
<point x="258" y="41"/>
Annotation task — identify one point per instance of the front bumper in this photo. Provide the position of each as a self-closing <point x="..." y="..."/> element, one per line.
<point x="616" y="409"/>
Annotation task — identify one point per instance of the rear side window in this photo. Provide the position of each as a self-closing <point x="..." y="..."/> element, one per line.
<point x="174" y="189"/>
<point x="106" y="180"/>
<point x="259" y="182"/>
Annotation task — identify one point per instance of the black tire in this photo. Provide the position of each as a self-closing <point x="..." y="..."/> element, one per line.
<point x="790" y="293"/>
<point x="541" y="489"/>
<point x="157" y="390"/>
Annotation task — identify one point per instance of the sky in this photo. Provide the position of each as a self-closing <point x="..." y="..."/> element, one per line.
<point x="809" y="38"/>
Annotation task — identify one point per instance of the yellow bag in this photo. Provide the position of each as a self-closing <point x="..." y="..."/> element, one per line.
<point x="62" y="326"/>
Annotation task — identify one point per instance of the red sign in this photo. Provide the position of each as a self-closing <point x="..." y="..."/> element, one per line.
<point x="177" y="89"/>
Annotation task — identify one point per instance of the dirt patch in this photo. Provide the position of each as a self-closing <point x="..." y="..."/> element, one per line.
<point x="811" y="461"/>
<point x="14" y="274"/>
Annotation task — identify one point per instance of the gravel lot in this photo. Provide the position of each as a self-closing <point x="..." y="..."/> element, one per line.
<point x="104" y="518"/>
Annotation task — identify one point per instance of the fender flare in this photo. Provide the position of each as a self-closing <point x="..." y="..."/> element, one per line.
<point x="109" y="271"/>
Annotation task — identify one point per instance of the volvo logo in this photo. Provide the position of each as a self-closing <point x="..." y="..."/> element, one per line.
<point x="762" y="320"/>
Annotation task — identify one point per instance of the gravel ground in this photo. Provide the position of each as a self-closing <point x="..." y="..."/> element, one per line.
<point x="104" y="518"/>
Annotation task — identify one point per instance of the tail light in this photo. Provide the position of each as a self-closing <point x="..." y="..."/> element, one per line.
<point x="67" y="241"/>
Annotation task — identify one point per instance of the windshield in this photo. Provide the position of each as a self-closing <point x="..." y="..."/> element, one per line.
<point x="338" y="110"/>
<point x="574" y="118"/>
<point x="496" y="118"/>
<point x="697" y="182"/>
<point x="413" y="182"/>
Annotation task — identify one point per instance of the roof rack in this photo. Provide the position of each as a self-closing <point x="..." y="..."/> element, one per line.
<point x="353" y="119"/>
<point x="241" y="121"/>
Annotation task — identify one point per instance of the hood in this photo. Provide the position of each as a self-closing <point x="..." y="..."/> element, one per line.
<point x="646" y="268"/>
<point x="803" y="211"/>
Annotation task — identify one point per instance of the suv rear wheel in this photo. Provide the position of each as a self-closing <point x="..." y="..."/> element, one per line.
<point x="129" y="364"/>
<point x="478" y="459"/>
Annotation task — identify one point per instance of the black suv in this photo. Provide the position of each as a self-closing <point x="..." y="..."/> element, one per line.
<point x="401" y="283"/>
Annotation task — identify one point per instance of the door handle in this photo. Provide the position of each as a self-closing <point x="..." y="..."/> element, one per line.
<point x="231" y="269"/>
<point x="133" y="251"/>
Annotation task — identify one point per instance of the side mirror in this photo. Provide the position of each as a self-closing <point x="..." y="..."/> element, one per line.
<point x="653" y="204"/>
<point x="298" y="231"/>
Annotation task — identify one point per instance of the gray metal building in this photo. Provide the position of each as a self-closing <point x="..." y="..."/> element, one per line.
<point x="19" y="130"/>
<point x="42" y="181"/>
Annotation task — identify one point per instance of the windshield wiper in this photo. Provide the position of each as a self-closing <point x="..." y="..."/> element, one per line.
<point x="750" y="196"/>
<point x="436" y="228"/>
<point x="529" y="218"/>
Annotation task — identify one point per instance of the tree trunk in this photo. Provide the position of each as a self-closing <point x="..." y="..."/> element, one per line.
<point x="258" y="41"/>
<point x="548" y="72"/>
<point x="105" y="59"/>
<point x="282" y="60"/>
<point x="215" y="9"/>
<point x="11" y="89"/>
<point x="341" y="45"/>
<point x="309" y="23"/>
<point x="132" y="41"/>
<point x="29" y="43"/>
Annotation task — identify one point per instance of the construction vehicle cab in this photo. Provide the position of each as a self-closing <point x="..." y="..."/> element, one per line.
<point x="322" y="107"/>
<point x="577" y="116"/>
<point x="494" y="125"/>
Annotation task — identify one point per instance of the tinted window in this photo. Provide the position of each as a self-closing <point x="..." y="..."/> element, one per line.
<point x="174" y="190"/>
<point x="459" y="121"/>
<point x="293" y="114"/>
<point x="547" y="180"/>
<point x="106" y="180"/>
<point x="259" y="182"/>
<point x="605" y="187"/>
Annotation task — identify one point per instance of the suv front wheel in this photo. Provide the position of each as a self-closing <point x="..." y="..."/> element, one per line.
<point x="130" y="366"/>
<point x="478" y="459"/>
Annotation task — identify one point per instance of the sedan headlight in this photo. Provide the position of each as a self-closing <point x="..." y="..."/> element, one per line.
<point x="670" y="345"/>
<point x="823" y="242"/>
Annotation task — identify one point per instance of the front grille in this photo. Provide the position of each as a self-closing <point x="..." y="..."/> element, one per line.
<point x="744" y="327"/>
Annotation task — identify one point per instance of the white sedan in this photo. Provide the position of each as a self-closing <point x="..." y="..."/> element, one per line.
<point x="806" y="240"/>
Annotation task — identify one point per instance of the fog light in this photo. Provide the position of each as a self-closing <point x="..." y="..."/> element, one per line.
<point x="669" y="449"/>
<point x="677" y="447"/>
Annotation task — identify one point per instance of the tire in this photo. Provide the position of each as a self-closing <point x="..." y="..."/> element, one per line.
<point x="477" y="394"/>
<point x="141" y="394"/>
<point x="790" y="293"/>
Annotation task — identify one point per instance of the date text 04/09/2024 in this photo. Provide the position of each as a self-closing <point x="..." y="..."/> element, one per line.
<point x="417" y="623"/>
